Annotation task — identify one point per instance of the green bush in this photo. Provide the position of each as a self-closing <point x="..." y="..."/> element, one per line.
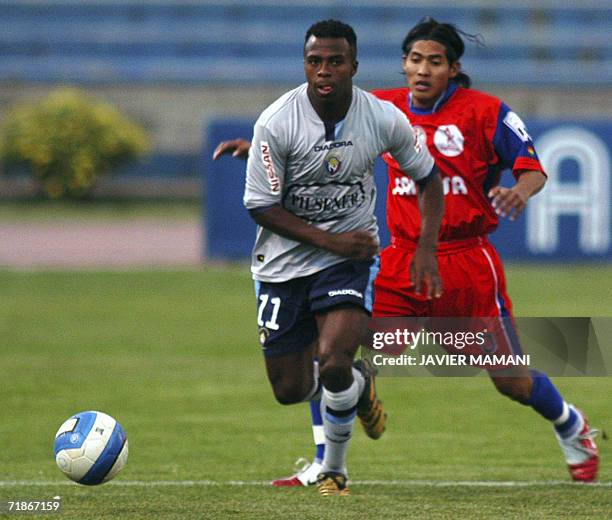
<point x="68" y="140"/>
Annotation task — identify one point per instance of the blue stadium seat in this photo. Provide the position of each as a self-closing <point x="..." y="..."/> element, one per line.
<point x="212" y="42"/>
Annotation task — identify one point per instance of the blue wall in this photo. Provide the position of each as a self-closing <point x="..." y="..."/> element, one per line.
<point x="568" y="220"/>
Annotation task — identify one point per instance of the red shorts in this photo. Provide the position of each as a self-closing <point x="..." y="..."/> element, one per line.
<point x="474" y="285"/>
<point x="472" y="274"/>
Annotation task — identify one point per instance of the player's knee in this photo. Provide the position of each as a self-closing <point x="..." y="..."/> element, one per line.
<point x="335" y="370"/>
<point x="288" y="394"/>
<point x="290" y="389"/>
<point x="516" y="388"/>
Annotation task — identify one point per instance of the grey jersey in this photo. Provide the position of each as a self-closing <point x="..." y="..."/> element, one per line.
<point x="322" y="175"/>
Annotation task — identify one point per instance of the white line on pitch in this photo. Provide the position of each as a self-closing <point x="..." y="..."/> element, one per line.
<point x="406" y="483"/>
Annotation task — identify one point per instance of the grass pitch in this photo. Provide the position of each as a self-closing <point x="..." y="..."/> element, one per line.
<point x="174" y="357"/>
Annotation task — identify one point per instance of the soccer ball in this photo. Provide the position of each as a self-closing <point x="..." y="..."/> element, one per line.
<point x="91" y="448"/>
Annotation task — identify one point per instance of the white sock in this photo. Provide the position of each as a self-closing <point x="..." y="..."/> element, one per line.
<point x="315" y="391"/>
<point x="358" y="376"/>
<point x="338" y="410"/>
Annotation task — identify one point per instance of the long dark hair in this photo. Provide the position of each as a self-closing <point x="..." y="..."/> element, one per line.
<point x="446" y="34"/>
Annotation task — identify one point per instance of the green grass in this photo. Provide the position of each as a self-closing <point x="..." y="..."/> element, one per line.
<point x="561" y="290"/>
<point x="174" y="356"/>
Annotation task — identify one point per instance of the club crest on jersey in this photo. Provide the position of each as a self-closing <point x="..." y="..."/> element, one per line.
<point x="449" y="140"/>
<point x="332" y="164"/>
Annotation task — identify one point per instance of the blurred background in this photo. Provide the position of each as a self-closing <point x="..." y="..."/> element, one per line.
<point x="188" y="73"/>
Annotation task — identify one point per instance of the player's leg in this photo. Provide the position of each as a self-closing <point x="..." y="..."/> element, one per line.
<point x="341" y="331"/>
<point x="291" y="375"/>
<point x="535" y="389"/>
<point x="575" y="436"/>
<point x="342" y="298"/>
<point x="288" y="335"/>
<point x="306" y="472"/>
<point x="371" y="415"/>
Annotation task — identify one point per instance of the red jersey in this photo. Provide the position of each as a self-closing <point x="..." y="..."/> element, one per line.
<point x="473" y="137"/>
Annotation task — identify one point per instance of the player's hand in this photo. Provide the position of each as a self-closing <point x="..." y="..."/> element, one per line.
<point x="239" y="148"/>
<point x="358" y="245"/>
<point x="424" y="273"/>
<point x="507" y="202"/>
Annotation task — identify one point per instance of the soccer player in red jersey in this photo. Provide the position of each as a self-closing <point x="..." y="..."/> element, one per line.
<point x="472" y="136"/>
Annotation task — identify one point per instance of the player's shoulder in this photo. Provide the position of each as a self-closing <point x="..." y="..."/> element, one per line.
<point x="278" y="112"/>
<point x="397" y="96"/>
<point x="385" y="108"/>
<point x="477" y="99"/>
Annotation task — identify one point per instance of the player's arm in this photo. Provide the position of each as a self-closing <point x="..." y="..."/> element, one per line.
<point x="239" y="148"/>
<point x="265" y="177"/>
<point x="424" y="266"/>
<point x="510" y="202"/>
<point x="358" y="244"/>
<point x="514" y="147"/>
<point x="415" y="160"/>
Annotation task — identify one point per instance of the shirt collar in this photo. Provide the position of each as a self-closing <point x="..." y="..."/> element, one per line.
<point x="450" y="90"/>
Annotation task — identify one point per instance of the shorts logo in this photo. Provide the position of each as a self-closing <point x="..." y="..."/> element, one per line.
<point x="266" y="158"/>
<point x="264" y="334"/>
<point x="332" y="164"/>
<point x="449" y="140"/>
<point x="345" y="292"/>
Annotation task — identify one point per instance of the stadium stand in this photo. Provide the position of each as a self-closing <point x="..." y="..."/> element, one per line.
<point x="214" y="43"/>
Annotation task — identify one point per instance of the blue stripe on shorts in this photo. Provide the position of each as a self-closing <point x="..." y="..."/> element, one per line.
<point x="369" y="294"/>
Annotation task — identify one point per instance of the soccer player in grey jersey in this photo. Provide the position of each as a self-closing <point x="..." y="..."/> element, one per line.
<point x="310" y="188"/>
<point x="322" y="172"/>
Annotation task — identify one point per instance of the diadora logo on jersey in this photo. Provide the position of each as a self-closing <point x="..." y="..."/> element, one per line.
<point x="345" y="292"/>
<point x="515" y="123"/>
<point x="455" y="185"/>
<point x="449" y="140"/>
<point x="331" y="146"/>
<point x="269" y="166"/>
<point x="332" y="163"/>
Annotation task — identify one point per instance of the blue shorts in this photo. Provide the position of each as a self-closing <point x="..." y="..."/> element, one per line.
<point x="286" y="311"/>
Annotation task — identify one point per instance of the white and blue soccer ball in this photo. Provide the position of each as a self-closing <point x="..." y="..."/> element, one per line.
<point x="91" y="448"/>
